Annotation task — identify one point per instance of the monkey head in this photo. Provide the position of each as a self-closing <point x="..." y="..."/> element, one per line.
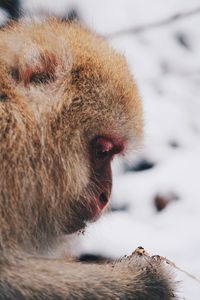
<point x="68" y="106"/>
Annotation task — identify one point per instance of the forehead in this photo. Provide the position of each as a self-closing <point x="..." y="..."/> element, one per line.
<point x="93" y="80"/>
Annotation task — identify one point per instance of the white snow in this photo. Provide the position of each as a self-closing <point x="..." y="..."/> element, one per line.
<point x="168" y="76"/>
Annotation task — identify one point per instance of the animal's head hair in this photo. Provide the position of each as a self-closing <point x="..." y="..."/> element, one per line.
<point x="60" y="86"/>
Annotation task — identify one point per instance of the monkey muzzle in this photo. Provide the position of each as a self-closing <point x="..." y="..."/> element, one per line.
<point x="98" y="206"/>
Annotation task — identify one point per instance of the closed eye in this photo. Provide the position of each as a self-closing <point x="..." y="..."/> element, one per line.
<point x="41" y="78"/>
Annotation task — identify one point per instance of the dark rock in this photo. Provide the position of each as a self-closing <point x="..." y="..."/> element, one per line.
<point x="182" y="39"/>
<point x="124" y="207"/>
<point x="12" y="7"/>
<point x="162" y="200"/>
<point x="174" y="144"/>
<point x="93" y="258"/>
<point x="141" y="165"/>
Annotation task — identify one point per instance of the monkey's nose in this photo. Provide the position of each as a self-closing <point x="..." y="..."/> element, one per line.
<point x="103" y="199"/>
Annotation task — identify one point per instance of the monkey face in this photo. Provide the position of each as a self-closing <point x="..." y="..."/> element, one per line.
<point x="103" y="150"/>
<point x="68" y="105"/>
<point x="97" y="192"/>
<point x="93" y="196"/>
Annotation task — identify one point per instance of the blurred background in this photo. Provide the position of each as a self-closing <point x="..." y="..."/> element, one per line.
<point x="156" y="194"/>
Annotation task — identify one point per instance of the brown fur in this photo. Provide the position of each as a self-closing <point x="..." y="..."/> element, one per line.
<point x="60" y="87"/>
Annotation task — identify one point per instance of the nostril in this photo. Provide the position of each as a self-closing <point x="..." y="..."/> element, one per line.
<point x="103" y="198"/>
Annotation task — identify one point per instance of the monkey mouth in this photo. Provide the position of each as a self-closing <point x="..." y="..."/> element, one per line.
<point x="87" y="211"/>
<point x="97" y="206"/>
<point x="103" y="200"/>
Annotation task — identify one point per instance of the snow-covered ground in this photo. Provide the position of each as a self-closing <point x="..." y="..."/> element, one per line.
<point x="165" y="61"/>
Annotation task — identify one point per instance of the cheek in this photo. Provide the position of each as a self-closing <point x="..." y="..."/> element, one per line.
<point x="77" y="178"/>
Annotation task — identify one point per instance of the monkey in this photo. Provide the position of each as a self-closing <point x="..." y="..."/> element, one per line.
<point x="68" y="106"/>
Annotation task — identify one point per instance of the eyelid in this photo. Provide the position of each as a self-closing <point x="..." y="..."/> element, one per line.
<point x="41" y="78"/>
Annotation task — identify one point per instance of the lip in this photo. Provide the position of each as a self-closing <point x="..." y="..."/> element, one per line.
<point x="85" y="211"/>
<point x="97" y="206"/>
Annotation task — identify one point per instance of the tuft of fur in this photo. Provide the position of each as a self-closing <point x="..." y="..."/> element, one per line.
<point x="60" y="87"/>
